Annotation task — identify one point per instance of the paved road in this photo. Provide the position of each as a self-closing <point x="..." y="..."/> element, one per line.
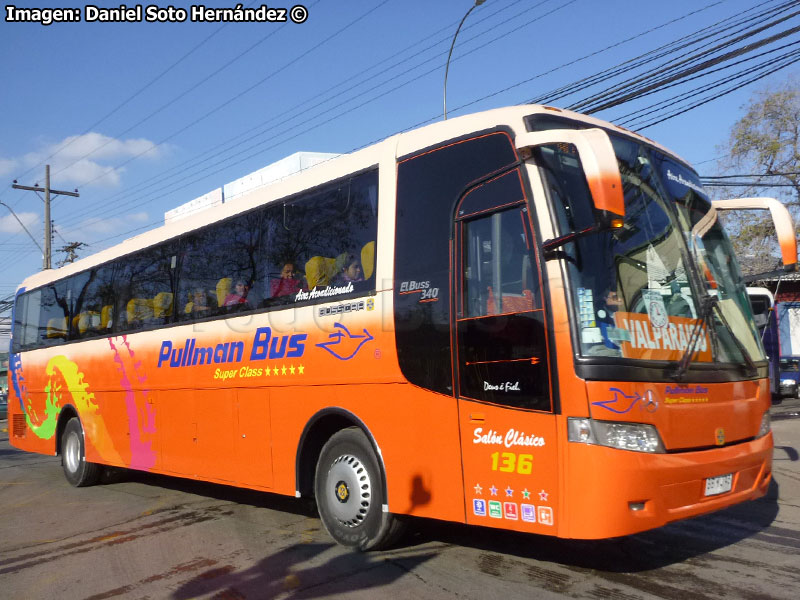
<point x="154" y="537"/>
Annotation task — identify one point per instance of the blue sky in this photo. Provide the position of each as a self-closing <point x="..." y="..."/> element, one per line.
<point x="142" y="117"/>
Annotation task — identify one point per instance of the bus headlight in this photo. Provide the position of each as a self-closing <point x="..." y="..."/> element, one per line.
<point x="766" y="426"/>
<point x="638" y="437"/>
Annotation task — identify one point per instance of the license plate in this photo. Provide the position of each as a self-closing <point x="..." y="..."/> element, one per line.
<point x="719" y="485"/>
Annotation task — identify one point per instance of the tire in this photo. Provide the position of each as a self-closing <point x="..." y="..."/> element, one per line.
<point x="73" y="456"/>
<point x="348" y="486"/>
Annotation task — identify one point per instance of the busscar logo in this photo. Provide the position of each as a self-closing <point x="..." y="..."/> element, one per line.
<point x="341" y="309"/>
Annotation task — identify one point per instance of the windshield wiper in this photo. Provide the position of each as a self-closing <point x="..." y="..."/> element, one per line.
<point x="708" y="305"/>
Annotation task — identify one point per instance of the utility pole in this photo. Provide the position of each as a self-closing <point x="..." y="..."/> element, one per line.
<point x="47" y="222"/>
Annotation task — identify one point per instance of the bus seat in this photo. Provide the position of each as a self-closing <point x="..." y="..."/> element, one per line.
<point x="139" y="309"/>
<point x="162" y="305"/>
<point x="223" y="289"/>
<point x="106" y="316"/>
<point x="368" y="259"/>
<point x="518" y="303"/>
<point x="86" y="321"/>
<point x="75" y="323"/>
<point x="511" y="303"/>
<point x="57" y="328"/>
<point x="319" y="271"/>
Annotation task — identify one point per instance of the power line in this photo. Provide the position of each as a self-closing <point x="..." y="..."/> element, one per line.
<point x="185" y="93"/>
<point x="618" y="95"/>
<point x="307" y="118"/>
<point x="785" y="174"/>
<point x="703" y="35"/>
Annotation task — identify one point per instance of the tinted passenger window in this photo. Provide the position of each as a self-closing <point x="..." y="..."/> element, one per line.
<point x="146" y="286"/>
<point x="54" y="314"/>
<point x="316" y="247"/>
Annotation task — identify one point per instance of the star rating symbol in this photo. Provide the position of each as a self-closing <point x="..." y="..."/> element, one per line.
<point x="509" y="492"/>
<point x="543" y="496"/>
<point x="493" y="490"/>
<point x="478" y="489"/>
<point x="526" y="495"/>
<point x="284" y="370"/>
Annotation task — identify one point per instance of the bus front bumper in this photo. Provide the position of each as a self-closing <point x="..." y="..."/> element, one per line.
<point x="613" y="493"/>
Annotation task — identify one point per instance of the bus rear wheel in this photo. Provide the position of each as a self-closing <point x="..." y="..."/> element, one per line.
<point x="73" y="456"/>
<point x="348" y="486"/>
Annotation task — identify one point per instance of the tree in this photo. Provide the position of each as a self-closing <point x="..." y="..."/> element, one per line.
<point x="71" y="250"/>
<point x="764" y="145"/>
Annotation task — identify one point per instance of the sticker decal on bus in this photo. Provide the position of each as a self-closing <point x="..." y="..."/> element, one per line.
<point x="330" y="290"/>
<point x="528" y="513"/>
<point x="264" y="346"/>
<point x="423" y="288"/>
<point x="511" y="438"/>
<point x="622" y="403"/>
<point x="545" y="515"/>
<point x="341" y="309"/>
<point x="344" y="345"/>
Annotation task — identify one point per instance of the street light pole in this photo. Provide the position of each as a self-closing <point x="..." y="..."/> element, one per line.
<point x="449" y="54"/>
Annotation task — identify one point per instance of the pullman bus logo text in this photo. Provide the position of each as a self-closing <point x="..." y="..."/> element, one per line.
<point x="264" y="346"/>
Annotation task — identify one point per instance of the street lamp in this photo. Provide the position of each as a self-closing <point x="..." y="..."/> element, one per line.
<point x="449" y="54"/>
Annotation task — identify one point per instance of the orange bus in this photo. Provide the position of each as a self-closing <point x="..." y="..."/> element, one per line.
<point x="525" y="319"/>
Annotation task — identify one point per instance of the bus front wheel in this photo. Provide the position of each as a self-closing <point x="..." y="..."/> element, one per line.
<point x="73" y="456"/>
<point x="348" y="486"/>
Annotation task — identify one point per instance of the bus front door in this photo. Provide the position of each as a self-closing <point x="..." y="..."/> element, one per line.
<point x="508" y="429"/>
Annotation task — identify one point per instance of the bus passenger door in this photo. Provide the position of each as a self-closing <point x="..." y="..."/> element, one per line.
<point x="508" y="429"/>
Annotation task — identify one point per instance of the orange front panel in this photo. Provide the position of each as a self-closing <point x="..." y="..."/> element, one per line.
<point x="603" y="485"/>
<point x="686" y="415"/>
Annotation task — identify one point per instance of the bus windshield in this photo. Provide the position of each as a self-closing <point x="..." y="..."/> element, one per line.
<point x="637" y="291"/>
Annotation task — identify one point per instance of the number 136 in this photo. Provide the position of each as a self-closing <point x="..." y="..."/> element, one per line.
<point x="508" y="462"/>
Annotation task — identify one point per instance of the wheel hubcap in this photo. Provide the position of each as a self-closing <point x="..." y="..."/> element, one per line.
<point x="350" y="487"/>
<point x="72" y="452"/>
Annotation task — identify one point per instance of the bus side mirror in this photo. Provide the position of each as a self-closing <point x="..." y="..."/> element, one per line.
<point x="784" y="227"/>
<point x="599" y="165"/>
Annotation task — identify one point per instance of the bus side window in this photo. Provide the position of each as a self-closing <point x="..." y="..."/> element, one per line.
<point x="54" y="314"/>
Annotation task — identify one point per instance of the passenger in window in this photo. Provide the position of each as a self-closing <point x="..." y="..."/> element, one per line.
<point x="238" y="295"/>
<point x="287" y="284"/>
<point x="199" y="303"/>
<point x="350" y="270"/>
